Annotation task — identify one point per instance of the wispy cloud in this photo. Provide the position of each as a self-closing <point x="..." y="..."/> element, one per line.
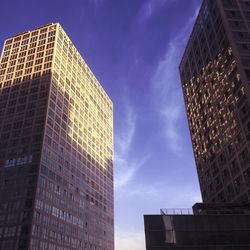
<point x="149" y="7"/>
<point x="125" y="165"/>
<point x="125" y="135"/>
<point x="167" y="88"/>
<point x="126" y="169"/>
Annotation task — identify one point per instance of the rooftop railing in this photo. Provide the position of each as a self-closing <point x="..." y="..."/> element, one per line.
<point x="176" y="211"/>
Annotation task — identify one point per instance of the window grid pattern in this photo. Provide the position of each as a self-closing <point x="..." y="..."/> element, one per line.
<point x="57" y="144"/>
<point x="216" y="94"/>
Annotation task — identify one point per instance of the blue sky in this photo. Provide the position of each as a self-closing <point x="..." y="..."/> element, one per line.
<point x="134" y="49"/>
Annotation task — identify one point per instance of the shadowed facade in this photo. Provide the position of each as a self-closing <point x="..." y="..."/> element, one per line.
<point x="215" y="75"/>
<point x="56" y="154"/>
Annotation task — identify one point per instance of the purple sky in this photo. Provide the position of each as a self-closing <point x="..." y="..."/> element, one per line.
<point x="134" y="49"/>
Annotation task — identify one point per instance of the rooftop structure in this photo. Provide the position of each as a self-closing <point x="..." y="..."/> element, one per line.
<point x="210" y="227"/>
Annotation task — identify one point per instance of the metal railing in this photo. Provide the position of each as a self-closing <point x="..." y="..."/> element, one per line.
<point x="176" y="211"/>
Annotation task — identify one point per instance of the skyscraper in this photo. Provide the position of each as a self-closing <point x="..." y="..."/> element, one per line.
<point x="215" y="75"/>
<point x="56" y="147"/>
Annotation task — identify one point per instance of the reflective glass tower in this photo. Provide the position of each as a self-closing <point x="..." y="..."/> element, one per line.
<point x="56" y="147"/>
<point x="215" y="75"/>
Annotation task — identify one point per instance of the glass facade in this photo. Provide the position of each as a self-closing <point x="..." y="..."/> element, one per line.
<point x="56" y="154"/>
<point x="215" y="81"/>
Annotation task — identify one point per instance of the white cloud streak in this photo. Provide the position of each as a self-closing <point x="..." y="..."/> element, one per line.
<point x="125" y="166"/>
<point x="167" y="89"/>
<point x="126" y="169"/>
<point x="149" y="7"/>
<point x="126" y="134"/>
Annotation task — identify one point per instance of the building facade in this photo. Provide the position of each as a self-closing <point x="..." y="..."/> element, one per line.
<point x="215" y="76"/>
<point x="56" y="147"/>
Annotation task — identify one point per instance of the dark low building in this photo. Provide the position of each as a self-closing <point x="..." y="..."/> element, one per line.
<point x="209" y="227"/>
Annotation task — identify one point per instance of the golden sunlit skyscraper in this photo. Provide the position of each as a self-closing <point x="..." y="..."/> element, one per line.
<point x="56" y="147"/>
<point x="215" y="75"/>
